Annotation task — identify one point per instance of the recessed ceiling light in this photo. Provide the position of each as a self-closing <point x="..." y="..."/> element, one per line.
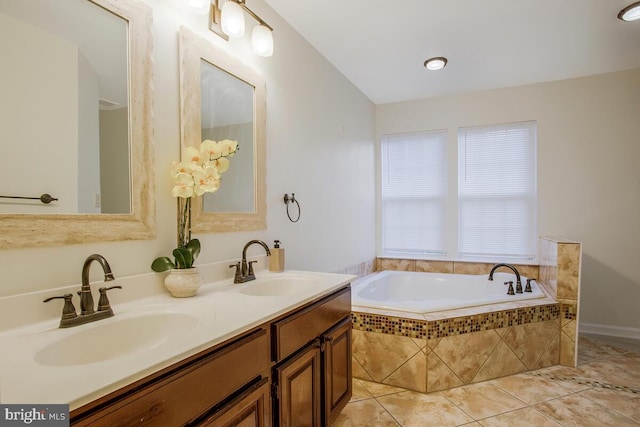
<point x="436" y="63"/>
<point x="630" y="13"/>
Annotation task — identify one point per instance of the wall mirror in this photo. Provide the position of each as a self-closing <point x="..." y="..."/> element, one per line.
<point x="222" y="98"/>
<point x="78" y="122"/>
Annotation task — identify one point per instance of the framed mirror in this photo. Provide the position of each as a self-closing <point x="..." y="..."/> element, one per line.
<point x="78" y="122"/>
<point x="221" y="98"/>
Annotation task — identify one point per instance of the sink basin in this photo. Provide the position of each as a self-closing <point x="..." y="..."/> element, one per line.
<point x="279" y="286"/>
<point x="115" y="339"/>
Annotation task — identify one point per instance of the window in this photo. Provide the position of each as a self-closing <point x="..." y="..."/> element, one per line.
<point x="414" y="193"/>
<point x="496" y="194"/>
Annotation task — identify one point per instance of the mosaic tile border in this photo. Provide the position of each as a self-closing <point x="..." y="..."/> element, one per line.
<point x="424" y="329"/>
<point x="569" y="311"/>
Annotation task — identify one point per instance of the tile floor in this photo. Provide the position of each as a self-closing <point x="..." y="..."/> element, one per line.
<point x="604" y="390"/>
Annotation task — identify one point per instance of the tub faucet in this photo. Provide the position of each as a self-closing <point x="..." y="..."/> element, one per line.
<point x="87" y="311"/>
<point x="244" y="269"/>
<point x="515" y="270"/>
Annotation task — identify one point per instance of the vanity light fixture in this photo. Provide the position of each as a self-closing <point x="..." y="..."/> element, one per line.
<point x="630" y="13"/>
<point x="436" y="63"/>
<point x="228" y="21"/>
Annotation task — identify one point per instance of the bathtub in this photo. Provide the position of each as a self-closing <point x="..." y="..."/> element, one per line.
<point x="418" y="292"/>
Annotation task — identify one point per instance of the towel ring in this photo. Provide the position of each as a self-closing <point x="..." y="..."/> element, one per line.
<point x="291" y="199"/>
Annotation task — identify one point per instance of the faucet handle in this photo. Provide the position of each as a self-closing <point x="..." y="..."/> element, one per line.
<point x="69" y="310"/>
<point x="238" y="276"/>
<point x="103" y="302"/>
<point x="527" y="288"/>
<point x="510" y="290"/>
<point x="251" y="273"/>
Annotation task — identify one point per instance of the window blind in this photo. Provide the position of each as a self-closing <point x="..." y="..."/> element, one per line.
<point x="414" y="193"/>
<point x="497" y="192"/>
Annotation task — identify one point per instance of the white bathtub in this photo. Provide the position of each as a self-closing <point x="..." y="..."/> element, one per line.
<point x="428" y="292"/>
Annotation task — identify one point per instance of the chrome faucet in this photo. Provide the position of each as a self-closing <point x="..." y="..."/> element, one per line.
<point x="515" y="270"/>
<point x="244" y="269"/>
<point x="87" y="312"/>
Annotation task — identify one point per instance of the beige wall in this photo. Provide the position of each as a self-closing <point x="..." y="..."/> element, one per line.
<point x="588" y="175"/>
<point x="39" y="126"/>
<point x="320" y="145"/>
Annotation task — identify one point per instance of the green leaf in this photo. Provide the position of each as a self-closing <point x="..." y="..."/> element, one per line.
<point x="194" y="248"/>
<point x="162" y="264"/>
<point x="183" y="256"/>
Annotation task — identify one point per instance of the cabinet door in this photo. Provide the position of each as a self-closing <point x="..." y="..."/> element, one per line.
<point x="299" y="390"/>
<point x="337" y="369"/>
<point x="251" y="409"/>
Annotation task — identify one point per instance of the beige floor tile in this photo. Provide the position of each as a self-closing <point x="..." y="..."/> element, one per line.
<point x="413" y="409"/>
<point x="520" y="417"/>
<point x="531" y="389"/>
<point x="482" y="400"/>
<point x="359" y="392"/>
<point x="365" y="413"/>
<point x="628" y="344"/>
<point x="578" y="411"/>
<point x="622" y="402"/>
<point x="589" y="348"/>
<point x="377" y="389"/>
<point x="623" y="370"/>
<point x="569" y="378"/>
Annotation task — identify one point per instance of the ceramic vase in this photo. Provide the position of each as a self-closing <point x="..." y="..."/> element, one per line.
<point x="183" y="282"/>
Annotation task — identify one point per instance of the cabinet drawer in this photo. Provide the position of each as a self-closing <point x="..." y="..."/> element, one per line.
<point x="296" y="330"/>
<point x="183" y="395"/>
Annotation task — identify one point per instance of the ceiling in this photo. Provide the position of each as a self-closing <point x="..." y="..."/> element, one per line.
<point x="381" y="45"/>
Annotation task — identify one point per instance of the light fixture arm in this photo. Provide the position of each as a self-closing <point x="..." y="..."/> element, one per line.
<point x="216" y="14"/>
<point x="243" y="5"/>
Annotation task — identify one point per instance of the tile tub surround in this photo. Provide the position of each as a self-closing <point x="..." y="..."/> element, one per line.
<point x="437" y="351"/>
<point x="604" y="390"/>
<point x="426" y="356"/>
<point x="560" y="275"/>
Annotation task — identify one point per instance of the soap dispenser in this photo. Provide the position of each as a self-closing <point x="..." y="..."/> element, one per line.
<point x="276" y="260"/>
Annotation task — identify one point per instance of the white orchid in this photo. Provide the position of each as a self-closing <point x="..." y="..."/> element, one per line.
<point x="196" y="174"/>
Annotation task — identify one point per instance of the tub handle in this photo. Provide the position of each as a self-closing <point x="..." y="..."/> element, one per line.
<point x="510" y="290"/>
<point x="527" y="287"/>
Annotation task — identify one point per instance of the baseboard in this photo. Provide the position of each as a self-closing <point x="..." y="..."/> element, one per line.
<point x="614" y="331"/>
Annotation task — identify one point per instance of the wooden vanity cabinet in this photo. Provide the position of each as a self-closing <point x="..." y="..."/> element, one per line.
<point x="292" y="371"/>
<point x="312" y="349"/>
<point x="185" y="393"/>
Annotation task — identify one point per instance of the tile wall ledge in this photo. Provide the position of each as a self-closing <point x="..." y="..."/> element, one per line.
<point x="557" y="239"/>
<point x="25" y="309"/>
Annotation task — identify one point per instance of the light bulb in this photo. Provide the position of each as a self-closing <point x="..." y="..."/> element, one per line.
<point x="232" y="19"/>
<point x="262" y="41"/>
<point x="435" y="64"/>
<point x="630" y="13"/>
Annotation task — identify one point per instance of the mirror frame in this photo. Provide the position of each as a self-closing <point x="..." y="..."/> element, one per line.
<point x="193" y="49"/>
<point x="41" y="230"/>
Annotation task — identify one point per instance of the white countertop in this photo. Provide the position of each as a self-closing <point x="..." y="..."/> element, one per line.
<point x="219" y="312"/>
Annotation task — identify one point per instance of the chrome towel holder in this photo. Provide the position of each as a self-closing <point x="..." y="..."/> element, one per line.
<point x="291" y="199"/>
